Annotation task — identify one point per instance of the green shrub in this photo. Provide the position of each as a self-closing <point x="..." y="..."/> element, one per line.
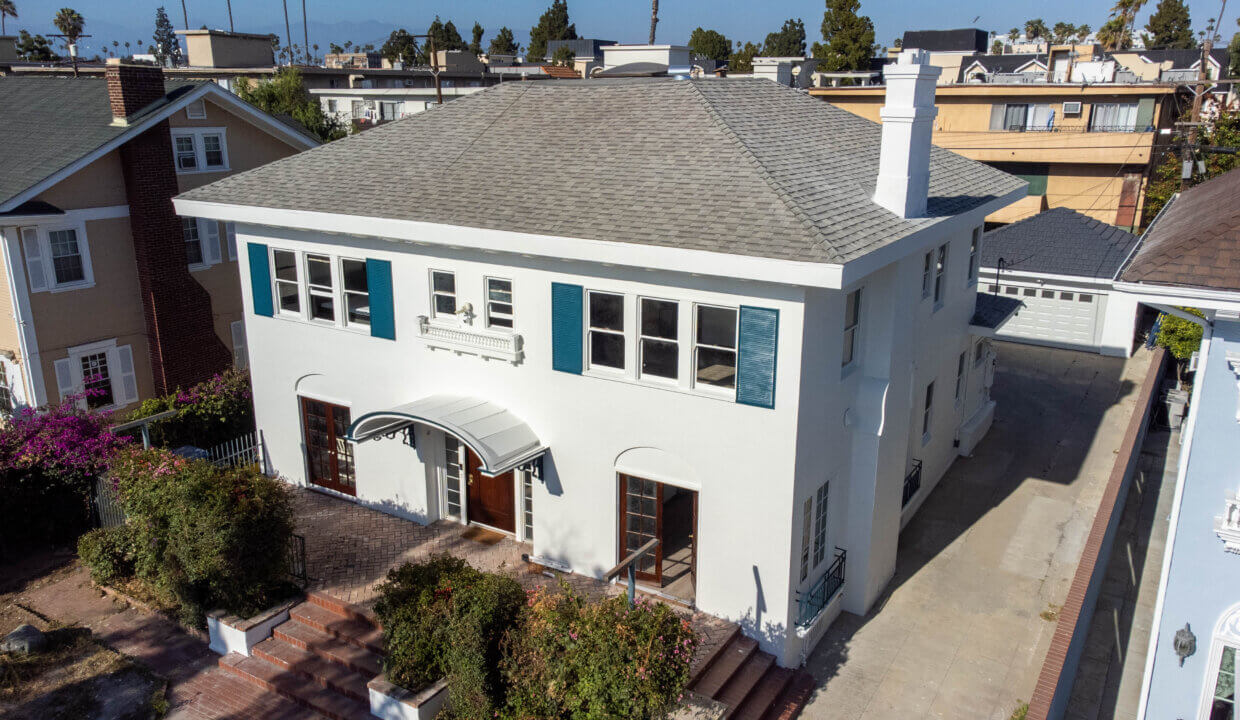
<point x="209" y="413"/>
<point x="108" y="552"/>
<point x="593" y="660"/>
<point x="414" y="618"/>
<point x="1181" y="337"/>
<point x="206" y="537"/>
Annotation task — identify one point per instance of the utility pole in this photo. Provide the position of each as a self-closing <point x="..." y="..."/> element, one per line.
<point x="430" y="46"/>
<point x="184" y="15"/>
<point x="71" y="43"/>
<point x="305" y="26"/>
<point x="230" y="22"/>
<point x="1203" y="76"/>
<point x="288" y="34"/>
<point x="654" y="18"/>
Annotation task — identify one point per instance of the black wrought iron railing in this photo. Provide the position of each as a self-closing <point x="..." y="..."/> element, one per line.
<point x="297" y="560"/>
<point x="812" y="601"/>
<point x="912" y="483"/>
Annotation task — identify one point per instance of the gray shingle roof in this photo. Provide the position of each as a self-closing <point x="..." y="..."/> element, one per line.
<point x="47" y="123"/>
<point x="1059" y="241"/>
<point x="991" y="311"/>
<point x="626" y="161"/>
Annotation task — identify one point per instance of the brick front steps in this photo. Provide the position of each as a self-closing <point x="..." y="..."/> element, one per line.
<point x="327" y="651"/>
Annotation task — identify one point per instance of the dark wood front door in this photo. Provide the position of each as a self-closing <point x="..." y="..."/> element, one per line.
<point x="490" y="501"/>
<point x="641" y="520"/>
<point x="329" y="456"/>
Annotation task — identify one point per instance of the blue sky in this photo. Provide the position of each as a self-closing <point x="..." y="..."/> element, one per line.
<point x="369" y="20"/>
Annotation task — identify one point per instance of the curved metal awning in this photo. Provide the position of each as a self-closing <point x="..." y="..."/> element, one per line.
<point x="500" y="439"/>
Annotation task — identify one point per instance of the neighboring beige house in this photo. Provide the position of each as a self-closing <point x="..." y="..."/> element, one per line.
<point x="102" y="286"/>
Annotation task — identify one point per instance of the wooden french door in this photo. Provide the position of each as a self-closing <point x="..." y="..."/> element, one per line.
<point x="329" y="456"/>
<point x="490" y="501"/>
<point x="641" y="520"/>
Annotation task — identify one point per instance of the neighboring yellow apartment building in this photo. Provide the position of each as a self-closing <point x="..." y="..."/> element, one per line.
<point x="1083" y="147"/>
<point x="102" y="286"/>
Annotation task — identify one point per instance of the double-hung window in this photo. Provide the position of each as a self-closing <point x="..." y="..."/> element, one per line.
<point x="499" y="303"/>
<point x="320" y="290"/>
<point x="660" y="353"/>
<point x="940" y="268"/>
<point x="187" y="154"/>
<point x="820" y="524"/>
<point x="6" y="392"/>
<point x="960" y="361"/>
<point x="213" y="150"/>
<point x="606" y="330"/>
<point x="356" y="292"/>
<point x="202" y="242"/>
<point x="57" y="258"/>
<point x="288" y="290"/>
<point x="97" y="380"/>
<point x="193" y="243"/>
<point x="1113" y="117"/>
<point x="443" y="294"/>
<point x="927" y="412"/>
<point x="975" y="248"/>
<point x="67" y="265"/>
<point x="199" y="149"/>
<point x="715" y="348"/>
<point x="100" y="374"/>
<point x="852" y="321"/>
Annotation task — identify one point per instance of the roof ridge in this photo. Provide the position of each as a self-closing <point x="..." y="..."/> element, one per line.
<point x="820" y="238"/>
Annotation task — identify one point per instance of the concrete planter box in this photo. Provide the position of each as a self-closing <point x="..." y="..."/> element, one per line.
<point x="392" y="702"/>
<point x="229" y="633"/>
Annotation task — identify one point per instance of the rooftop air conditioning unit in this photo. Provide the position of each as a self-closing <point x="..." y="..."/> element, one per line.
<point x="1072" y="107"/>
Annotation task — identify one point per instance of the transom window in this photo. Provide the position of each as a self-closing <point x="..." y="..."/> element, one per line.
<point x="193" y="244"/>
<point x="940" y="267"/>
<point x="443" y="294"/>
<point x="499" y="303"/>
<point x="659" y="350"/>
<point x="97" y="380"/>
<point x="852" y="321"/>
<point x="356" y="292"/>
<point x="66" y="256"/>
<point x="320" y="289"/>
<point x="606" y="330"/>
<point x="715" y="347"/>
<point x="287" y="290"/>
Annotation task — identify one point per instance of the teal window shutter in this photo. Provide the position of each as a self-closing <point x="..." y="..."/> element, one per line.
<point x="755" y="371"/>
<point x="382" y="312"/>
<point x="566" y="328"/>
<point x="260" y="279"/>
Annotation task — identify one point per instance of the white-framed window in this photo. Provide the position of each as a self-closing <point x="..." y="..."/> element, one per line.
<point x="320" y="288"/>
<point x="193" y="243"/>
<point x="102" y="371"/>
<point x="241" y="355"/>
<point x="606" y="323"/>
<point x="202" y="242"/>
<point x="453" y="475"/>
<point x="356" y="292"/>
<point x="940" y="269"/>
<point x="196" y="110"/>
<point x="288" y="282"/>
<point x="852" y="323"/>
<point x="200" y="150"/>
<point x="820" y="523"/>
<point x="443" y="294"/>
<point x="527" y="505"/>
<point x="714" y="346"/>
<point x="975" y="253"/>
<point x="1218" y="692"/>
<point x="807" y="525"/>
<point x="960" y="362"/>
<point x="927" y="413"/>
<point x="57" y="257"/>
<point x="979" y="353"/>
<point x="6" y="392"/>
<point x="499" y="303"/>
<point x="658" y="332"/>
<point x="331" y="105"/>
<point x="1113" y="117"/>
<point x="927" y="273"/>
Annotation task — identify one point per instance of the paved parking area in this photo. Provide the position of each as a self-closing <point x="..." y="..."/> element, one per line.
<point x="964" y="625"/>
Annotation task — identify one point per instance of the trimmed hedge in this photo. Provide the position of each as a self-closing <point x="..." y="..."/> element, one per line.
<point x="108" y="552"/>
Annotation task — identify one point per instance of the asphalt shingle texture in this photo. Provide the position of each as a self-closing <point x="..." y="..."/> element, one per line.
<point x="1195" y="242"/>
<point x="738" y="166"/>
<point x="990" y="311"/>
<point x="1059" y="241"/>
<point x="47" y="123"/>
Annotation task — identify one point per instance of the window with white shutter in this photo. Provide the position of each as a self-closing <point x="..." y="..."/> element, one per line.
<point x="210" y="240"/>
<point x="35" y="267"/>
<point x="241" y="356"/>
<point x="57" y="257"/>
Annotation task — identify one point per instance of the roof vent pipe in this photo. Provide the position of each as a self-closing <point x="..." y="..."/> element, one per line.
<point x="908" y="121"/>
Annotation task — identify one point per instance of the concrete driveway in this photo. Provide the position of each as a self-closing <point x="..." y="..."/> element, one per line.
<point x="964" y="625"/>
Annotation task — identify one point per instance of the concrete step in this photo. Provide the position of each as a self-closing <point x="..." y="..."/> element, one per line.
<point x="728" y="661"/>
<point x="324" y="673"/>
<point x="296" y="688"/>
<point x="763" y="695"/>
<point x="355" y="632"/>
<point x="794" y="697"/>
<point x="745" y="680"/>
<point x="330" y="647"/>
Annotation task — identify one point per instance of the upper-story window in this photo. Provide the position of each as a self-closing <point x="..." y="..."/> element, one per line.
<point x="660" y="352"/>
<point x="443" y="294"/>
<point x="193" y="243"/>
<point x="927" y="274"/>
<point x="606" y="330"/>
<point x="196" y="110"/>
<point x="1113" y="117"/>
<point x="199" y="149"/>
<point x="202" y="242"/>
<point x="975" y="251"/>
<point x="1021" y="117"/>
<point x="927" y="413"/>
<point x="356" y="292"/>
<point x="715" y="347"/>
<point x="960" y="361"/>
<point x="288" y="289"/>
<point x="940" y="268"/>
<point x="852" y="322"/>
<point x="499" y="303"/>
<point x="57" y="258"/>
<point x="320" y="290"/>
<point x="67" y="265"/>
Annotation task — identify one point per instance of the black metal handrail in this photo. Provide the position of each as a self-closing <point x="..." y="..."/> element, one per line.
<point x="297" y="560"/>
<point x="912" y="483"/>
<point x="630" y="563"/>
<point x="824" y="588"/>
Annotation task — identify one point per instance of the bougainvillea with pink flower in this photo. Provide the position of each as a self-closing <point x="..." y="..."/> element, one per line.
<point x="213" y="411"/>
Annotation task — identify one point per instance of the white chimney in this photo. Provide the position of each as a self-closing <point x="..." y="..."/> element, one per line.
<point x="908" y="120"/>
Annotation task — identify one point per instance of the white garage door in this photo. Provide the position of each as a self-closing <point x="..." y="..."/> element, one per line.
<point x="1058" y="317"/>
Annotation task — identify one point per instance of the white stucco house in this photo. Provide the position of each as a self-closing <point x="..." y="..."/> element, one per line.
<point x="751" y="376"/>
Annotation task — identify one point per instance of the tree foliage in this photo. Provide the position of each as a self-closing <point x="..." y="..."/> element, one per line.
<point x="446" y="37"/>
<point x="70" y="24"/>
<point x="847" y="38"/>
<point x="284" y="94"/>
<point x="788" y="41"/>
<point x="34" y="48"/>
<point x="742" y="60"/>
<point x="563" y="56"/>
<point x="475" y="43"/>
<point x="996" y="47"/>
<point x="711" y="44"/>
<point x="1181" y="337"/>
<point x="504" y="43"/>
<point x="1234" y="51"/>
<point x="1035" y="29"/>
<point x="552" y="25"/>
<point x="1170" y="26"/>
<point x="401" y="47"/>
<point x="1116" y="33"/>
<point x="1222" y="127"/>
<point x="7" y="10"/>
<point x="167" y="47"/>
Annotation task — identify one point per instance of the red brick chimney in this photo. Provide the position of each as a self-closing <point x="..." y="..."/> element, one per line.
<point x="132" y="87"/>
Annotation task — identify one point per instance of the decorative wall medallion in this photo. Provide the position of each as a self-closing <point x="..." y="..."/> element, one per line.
<point x="1185" y="643"/>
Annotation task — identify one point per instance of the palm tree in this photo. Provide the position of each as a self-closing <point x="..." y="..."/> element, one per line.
<point x="70" y="23"/>
<point x="7" y="8"/>
<point x="230" y="23"/>
<point x="288" y="33"/>
<point x="654" y="18"/>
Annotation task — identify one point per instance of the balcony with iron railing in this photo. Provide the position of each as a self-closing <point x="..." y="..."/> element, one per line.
<point x="912" y="483"/>
<point x="812" y="602"/>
